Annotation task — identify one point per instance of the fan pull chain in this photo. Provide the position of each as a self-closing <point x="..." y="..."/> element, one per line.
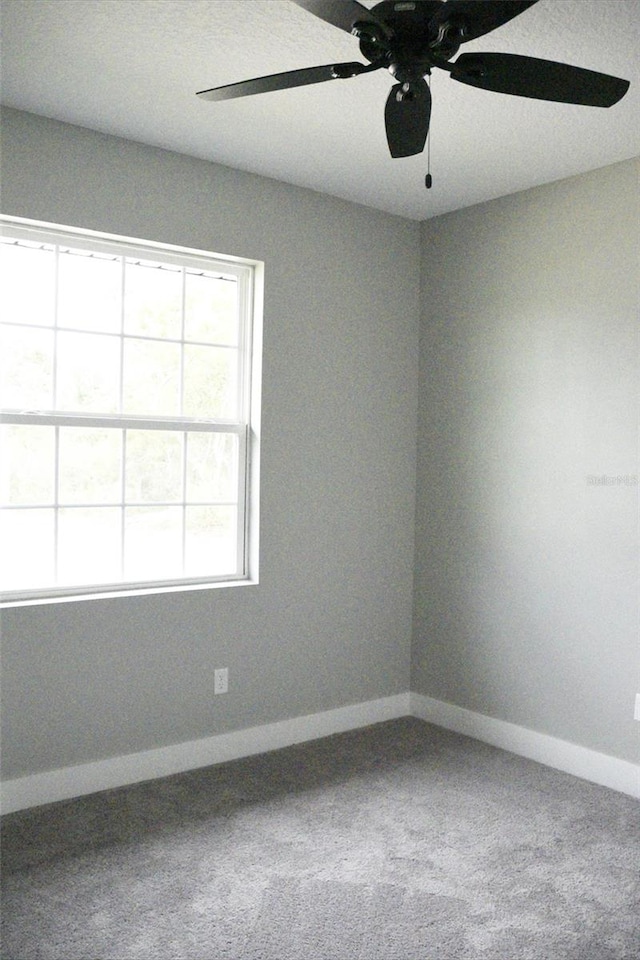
<point x="428" y="180"/>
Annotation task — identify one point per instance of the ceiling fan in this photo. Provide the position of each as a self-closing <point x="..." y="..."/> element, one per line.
<point x="410" y="37"/>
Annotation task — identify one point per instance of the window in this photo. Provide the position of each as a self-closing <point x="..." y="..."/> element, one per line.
<point x="127" y="442"/>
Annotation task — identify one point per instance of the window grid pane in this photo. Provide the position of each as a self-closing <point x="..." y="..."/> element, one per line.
<point x="22" y="301"/>
<point x="89" y="291"/>
<point x="127" y="494"/>
<point x="110" y="502"/>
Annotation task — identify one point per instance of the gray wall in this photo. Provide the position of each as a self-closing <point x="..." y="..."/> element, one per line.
<point x="525" y="602"/>
<point x="526" y="597"/>
<point x="330" y="622"/>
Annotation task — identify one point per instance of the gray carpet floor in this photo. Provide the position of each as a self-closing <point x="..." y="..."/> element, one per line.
<point x="401" y="841"/>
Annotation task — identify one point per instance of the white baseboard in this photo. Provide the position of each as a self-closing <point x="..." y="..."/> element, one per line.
<point x="579" y="761"/>
<point x="77" y="781"/>
<point x="85" y="778"/>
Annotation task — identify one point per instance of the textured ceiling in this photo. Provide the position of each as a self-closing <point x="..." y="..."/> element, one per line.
<point x="131" y="68"/>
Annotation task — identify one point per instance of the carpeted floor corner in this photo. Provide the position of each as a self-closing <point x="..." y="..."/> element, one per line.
<point x="400" y="841"/>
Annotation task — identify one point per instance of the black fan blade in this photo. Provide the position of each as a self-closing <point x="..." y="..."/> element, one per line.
<point x="282" y="81"/>
<point x="342" y="13"/>
<point x="474" y="18"/>
<point x="407" y="116"/>
<point x="539" y="79"/>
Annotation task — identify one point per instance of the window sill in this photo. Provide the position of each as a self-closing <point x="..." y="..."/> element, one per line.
<point x="125" y="592"/>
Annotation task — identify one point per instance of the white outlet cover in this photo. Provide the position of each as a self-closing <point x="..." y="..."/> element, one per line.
<point x="636" y="712"/>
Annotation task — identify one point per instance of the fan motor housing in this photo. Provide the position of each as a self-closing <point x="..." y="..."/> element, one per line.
<point x="411" y="51"/>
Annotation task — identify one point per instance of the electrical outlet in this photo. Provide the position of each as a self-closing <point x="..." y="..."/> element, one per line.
<point x="221" y="680"/>
<point x="636" y="712"/>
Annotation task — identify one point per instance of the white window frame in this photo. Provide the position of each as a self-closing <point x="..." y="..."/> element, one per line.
<point x="250" y="277"/>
